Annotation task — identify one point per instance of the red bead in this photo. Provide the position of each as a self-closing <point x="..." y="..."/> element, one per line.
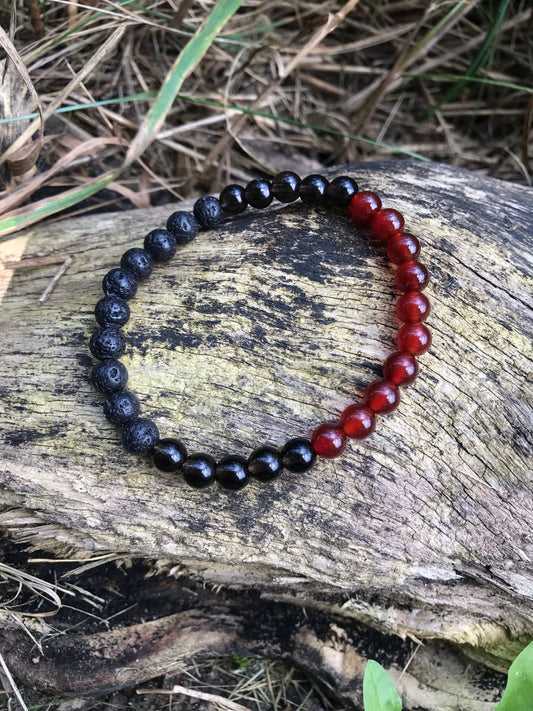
<point x="358" y="421"/>
<point x="413" y="306"/>
<point x="328" y="440"/>
<point x="382" y="396"/>
<point x="414" y="338"/>
<point x="410" y="276"/>
<point x="403" y="247"/>
<point x="386" y="223"/>
<point x="400" y="368"/>
<point x="364" y="206"/>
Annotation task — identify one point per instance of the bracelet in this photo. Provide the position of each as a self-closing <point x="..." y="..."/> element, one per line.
<point x="140" y="436"/>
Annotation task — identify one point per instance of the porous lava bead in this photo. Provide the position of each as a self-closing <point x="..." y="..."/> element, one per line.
<point x="199" y="470"/>
<point x="264" y="463"/>
<point x="414" y="338"/>
<point x="358" y="421"/>
<point x="258" y="193"/>
<point x="121" y="407"/>
<point x="139" y="436"/>
<point x="232" y="472"/>
<point x="285" y="186"/>
<point x="208" y="211"/>
<point x="161" y="245"/>
<point x="298" y="455"/>
<point x="340" y="191"/>
<point x="400" y="368"/>
<point x="109" y="376"/>
<point x="120" y="282"/>
<point x="312" y="189"/>
<point x="183" y="225"/>
<point x="403" y="247"/>
<point x="328" y="440"/>
<point x="412" y="307"/>
<point x="382" y="396"/>
<point x="232" y="199"/>
<point x="138" y="261"/>
<point x="411" y="276"/>
<point x="107" y="343"/>
<point x="111" y="310"/>
<point x="387" y="222"/>
<point x="364" y="206"/>
<point x="168" y="455"/>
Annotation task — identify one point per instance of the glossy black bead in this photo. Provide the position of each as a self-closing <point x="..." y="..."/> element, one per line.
<point x="313" y="189"/>
<point x="298" y="455"/>
<point x="168" y="455"/>
<point x="120" y="282"/>
<point x="258" y="193"/>
<point x="107" y="343"/>
<point x="138" y="261"/>
<point x="199" y="470"/>
<point x="285" y="186"/>
<point x="264" y="463"/>
<point x="232" y="472"/>
<point x="232" y="199"/>
<point x="111" y="310"/>
<point x="183" y="225"/>
<point x="208" y="211"/>
<point x="139" y="436"/>
<point x="341" y="191"/>
<point x="161" y="245"/>
<point x="121" y="407"/>
<point x="109" y="376"/>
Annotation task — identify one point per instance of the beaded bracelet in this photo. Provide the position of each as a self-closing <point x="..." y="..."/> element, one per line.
<point x="140" y="436"/>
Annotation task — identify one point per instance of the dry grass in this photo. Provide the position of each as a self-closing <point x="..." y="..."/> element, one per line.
<point x="310" y="77"/>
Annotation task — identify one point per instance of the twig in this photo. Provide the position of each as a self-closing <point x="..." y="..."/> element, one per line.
<point x="64" y="260"/>
<point x="214" y="698"/>
<point x="11" y="683"/>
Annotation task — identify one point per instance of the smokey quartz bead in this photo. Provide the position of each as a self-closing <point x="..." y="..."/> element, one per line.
<point x="232" y="472"/>
<point x="298" y="455"/>
<point x="120" y="407"/>
<point x="341" y="191"/>
<point x="169" y="454"/>
<point x="258" y="193"/>
<point x="313" y="189"/>
<point x="285" y="186"/>
<point x="199" y="470"/>
<point x="264" y="463"/>
<point x="112" y="310"/>
<point x="109" y="376"/>
<point x="232" y="199"/>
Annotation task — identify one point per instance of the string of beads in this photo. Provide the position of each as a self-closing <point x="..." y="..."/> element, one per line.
<point x="140" y="435"/>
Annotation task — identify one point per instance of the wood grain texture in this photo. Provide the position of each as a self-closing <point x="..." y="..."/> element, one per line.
<point x="256" y="332"/>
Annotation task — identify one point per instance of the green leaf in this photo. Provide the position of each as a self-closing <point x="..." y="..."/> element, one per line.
<point x="379" y="693"/>
<point x="518" y="695"/>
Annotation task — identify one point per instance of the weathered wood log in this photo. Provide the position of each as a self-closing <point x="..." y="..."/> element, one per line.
<point x="261" y="328"/>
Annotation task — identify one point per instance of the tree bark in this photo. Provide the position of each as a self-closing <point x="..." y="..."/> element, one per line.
<point x="254" y="333"/>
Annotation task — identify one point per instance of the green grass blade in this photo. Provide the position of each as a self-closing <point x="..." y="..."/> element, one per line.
<point x="379" y="693"/>
<point x="189" y="57"/>
<point x="477" y="80"/>
<point x="518" y="694"/>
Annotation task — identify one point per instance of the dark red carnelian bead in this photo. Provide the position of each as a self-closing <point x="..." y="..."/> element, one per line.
<point x="411" y="276"/>
<point x="387" y="222"/>
<point x="382" y="396"/>
<point x="403" y="247"/>
<point x="358" y="421"/>
<point x="364" y="206"/>
<point x="328" y="440"/>
<point x="414" y="338"/>
<point x="412" y="307"/>
<point x="401" y="368"/>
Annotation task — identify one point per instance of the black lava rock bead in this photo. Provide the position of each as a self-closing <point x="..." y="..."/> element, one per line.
<point x="139" y="436"/>
<point x="208" y="211"/>
<point x="199" y="470"/>
<point x="168" y="455"/>
<point x="121" y="407"/>
<point x="232" y="472"/>
<point x="264" y="463"/>
<point x="120" y="282"/>
<point x="232" y="199"/>
<point x="138" y="261"/>
<point x="298" y="455"/>
<point x="183" y="226"/>
<point x="258" y="193"/>
<point x="107" y="343"/>
<point x="109" y="376"/>
<point x="161" y="245"/>
<point x="313" y="189"/>
<point x="341" y="191"/>
<point x="112" y="311"/>
<point x="285" y="186"/>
